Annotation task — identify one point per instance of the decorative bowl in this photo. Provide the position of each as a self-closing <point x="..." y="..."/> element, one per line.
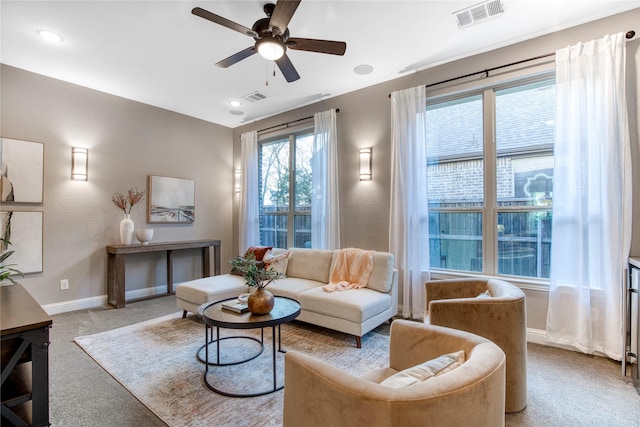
<point x="243" y="298"/>
<point x="144" y="235"/>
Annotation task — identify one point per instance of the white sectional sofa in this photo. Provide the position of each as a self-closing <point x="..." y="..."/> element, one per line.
<point x="353" y="311"/>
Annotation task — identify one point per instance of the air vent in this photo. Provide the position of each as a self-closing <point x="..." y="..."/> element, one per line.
<point x="479" y="13"/>
<point x="254" y="97"/>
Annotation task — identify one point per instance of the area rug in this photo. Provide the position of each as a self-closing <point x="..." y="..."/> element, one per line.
<point x="157" y="362"/>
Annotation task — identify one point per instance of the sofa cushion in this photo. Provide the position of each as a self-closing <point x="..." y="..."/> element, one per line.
<point x="424" y="371"/>
<point x="382" y="274"/>
<point x="356" y="305"/>
<point x="312" y="264"/>
<point x="211" y="288"/>
<point x="291" y="287"/>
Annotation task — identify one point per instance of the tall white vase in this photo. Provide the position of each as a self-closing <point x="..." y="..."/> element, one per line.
<point x="126" y="230"/>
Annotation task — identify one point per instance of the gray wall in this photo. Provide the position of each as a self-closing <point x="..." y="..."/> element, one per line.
<point x="364" y="120"/>
<point x="127" y="141"/>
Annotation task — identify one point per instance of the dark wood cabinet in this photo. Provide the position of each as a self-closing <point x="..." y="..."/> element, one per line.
<point x="25" y="358"/>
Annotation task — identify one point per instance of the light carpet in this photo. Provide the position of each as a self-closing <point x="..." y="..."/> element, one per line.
<point x="156" y="361"/>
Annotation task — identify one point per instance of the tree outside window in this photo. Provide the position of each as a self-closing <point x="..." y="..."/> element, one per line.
<point x="285" y="175"/>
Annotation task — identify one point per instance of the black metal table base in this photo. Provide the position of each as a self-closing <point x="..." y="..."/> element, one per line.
<point x="210" y="340"/>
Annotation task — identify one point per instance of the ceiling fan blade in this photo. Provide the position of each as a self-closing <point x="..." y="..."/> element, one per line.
<point x="282" y="14"/>
<point x="223" y="21"/>
<point x="236" y="57"/>
<point x="320" y="46"/>
<point x="288" y="70"/>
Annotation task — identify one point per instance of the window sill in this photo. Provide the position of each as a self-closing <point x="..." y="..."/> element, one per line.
<point x="523" y="283"/>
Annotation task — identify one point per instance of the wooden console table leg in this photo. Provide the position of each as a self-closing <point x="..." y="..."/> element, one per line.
<point x="206" y="260"/>
<point x="169" y="271"/>
<point x="115" y="280"/>
<point x="216" y="260"/>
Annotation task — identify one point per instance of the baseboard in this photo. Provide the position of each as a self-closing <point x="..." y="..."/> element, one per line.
<point x="536" y="336"/>
<point x="101" y="301"/>
<point x="78" y="304"/>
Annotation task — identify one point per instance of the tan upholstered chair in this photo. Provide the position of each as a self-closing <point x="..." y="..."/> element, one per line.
<point x="318" y="394"/>
<point x="501" y="318"/>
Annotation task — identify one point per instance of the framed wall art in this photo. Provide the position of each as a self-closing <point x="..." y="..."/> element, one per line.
<point x="171" y="200"/>
<point x="22" y="166"/>
<point x="24" y="231"/>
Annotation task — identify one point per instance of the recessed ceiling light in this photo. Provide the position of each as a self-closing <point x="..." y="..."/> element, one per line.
<point x="236" y="112"/>
<point x="234" y="103"/>
<point x="49" y="36"/>
<point x="363" y="69"/>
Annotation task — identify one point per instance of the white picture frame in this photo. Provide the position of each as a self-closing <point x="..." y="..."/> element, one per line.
<point x="21" y="171"/>
<point x="25" y="236"/>
<point x="170" y="200"/>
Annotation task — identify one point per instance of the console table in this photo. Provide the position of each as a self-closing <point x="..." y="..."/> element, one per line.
<point x="116" y="257"/>
<point x="25" y="358"/>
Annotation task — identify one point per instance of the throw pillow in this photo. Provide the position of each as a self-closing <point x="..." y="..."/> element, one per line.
<point x="277" y="260"/>
<point x="424" y="371"/>
<point x="485" y="294"/>
<point x="258" y="251"/>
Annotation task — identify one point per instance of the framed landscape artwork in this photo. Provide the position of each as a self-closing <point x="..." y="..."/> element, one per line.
<point x="24" y="231"/>
<point x="171" y="200"/>
<point x="22" y="166"/>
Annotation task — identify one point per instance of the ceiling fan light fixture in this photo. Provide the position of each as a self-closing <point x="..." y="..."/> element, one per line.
<point x="270" y="48"/>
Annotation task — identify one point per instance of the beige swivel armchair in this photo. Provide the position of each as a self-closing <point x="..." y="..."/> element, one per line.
<point x="318" y="394"/>
<point x="500" y="318"/>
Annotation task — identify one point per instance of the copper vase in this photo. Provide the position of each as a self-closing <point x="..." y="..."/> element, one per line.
<point x="260" y="302"/>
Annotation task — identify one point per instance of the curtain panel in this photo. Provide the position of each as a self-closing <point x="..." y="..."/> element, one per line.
<point x="249" y="223"/>
<point x="409" y="216"/>
<point x="325" y="209"/>
<point x="591" y="199"/>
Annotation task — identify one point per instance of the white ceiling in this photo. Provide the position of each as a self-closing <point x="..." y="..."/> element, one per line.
<point x="158" y="53"/>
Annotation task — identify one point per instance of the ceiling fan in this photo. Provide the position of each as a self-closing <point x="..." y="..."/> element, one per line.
<point x="272" y="39"/>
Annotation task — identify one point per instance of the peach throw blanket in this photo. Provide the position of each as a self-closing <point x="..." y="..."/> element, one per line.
<point x="351" y="270"/>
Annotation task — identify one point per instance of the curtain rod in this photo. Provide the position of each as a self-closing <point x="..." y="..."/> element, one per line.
<point x="288" y="124"/>
<point x="629" y="35"/>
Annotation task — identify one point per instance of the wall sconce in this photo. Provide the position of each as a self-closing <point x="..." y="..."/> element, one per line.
<point x="79" y="163"/>
<point x="237" y="185"/>
<point x="365" y="163"/>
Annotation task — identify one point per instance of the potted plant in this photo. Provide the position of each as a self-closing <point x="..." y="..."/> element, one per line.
<point x="7" y="269"/>
<point x="258" y="278"/>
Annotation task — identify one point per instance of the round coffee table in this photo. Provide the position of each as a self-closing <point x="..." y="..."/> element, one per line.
<point x="214" y="316"/>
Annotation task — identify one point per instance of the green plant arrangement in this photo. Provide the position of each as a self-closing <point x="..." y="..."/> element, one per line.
<point x="7" y="269"/>
<point x="254" y="273"/>
<point x="261" y="301"/>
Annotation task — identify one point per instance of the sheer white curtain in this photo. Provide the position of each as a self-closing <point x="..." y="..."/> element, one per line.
<point x="325" y="215"/>
<point x="249" y="199"/>
<point x="408" y="222"/>
<point x="592" y="198"/>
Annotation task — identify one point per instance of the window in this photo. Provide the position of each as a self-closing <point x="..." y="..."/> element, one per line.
<point x="490" y="179"/>
<point x="285" y="190"/>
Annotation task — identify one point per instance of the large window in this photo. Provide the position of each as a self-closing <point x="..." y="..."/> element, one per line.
<point x="490" y="179"/>
<point x="285" y="191"/>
